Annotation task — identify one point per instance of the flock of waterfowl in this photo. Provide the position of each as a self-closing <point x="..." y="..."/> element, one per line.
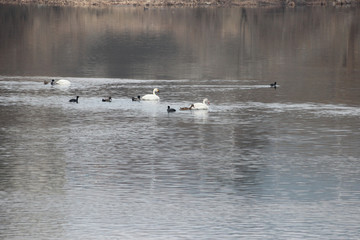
<point x="148" y="97"/>
<point x="204" y="105"/>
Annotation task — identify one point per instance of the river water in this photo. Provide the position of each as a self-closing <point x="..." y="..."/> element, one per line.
<point x="261" y="163"/>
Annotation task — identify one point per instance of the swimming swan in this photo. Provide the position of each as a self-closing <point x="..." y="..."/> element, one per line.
<point x="62" y="82"/>
<point x="201" y="106"/>
<point x="151" y="97"/>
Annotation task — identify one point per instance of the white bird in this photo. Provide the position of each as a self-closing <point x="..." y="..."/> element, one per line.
<point x="151" y="97"/>
<point x="63" y="82"/>
<point x="201" y="106"/>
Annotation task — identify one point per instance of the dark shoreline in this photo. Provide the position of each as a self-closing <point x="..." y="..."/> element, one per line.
<point x="185" y="3"/>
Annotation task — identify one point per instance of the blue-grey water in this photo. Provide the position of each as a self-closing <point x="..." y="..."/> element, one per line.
<point x="261" y="163"/>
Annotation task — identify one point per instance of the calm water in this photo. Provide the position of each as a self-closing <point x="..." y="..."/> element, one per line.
<point x="262" y="163"/>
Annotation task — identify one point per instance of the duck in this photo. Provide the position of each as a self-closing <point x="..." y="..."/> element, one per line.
<point x="75" y="99"/>
<point x="106" y="99"/>
<point x="273" y="85"/>
<point x="136" y="98"/>
<point x="187" y="108"/>
<point x="169" y="110"/>
<point x="201" y="106"/>
<point x="151" y="97"/>
<point x="62" y="82"/>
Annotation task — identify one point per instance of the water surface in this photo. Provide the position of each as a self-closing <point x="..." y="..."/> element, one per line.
<point x="262" y="163"/>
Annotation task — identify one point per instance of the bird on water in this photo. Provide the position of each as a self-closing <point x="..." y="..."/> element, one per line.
<point x="75" y="99"/>
<point x="106" y="99"/>
<point x="151" y="97"/>
<point x="136" y="98"/>
<point x="169" y="110"/>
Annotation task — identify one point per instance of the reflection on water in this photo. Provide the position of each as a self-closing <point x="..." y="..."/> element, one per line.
<point x="180" y="43"/>
<point x="261" y="163"/>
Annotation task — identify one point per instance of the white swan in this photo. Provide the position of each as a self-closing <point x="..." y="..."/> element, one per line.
<point x="201" y="106"/>
<point x="63" y="82"/>
<point x="151" y="97"/>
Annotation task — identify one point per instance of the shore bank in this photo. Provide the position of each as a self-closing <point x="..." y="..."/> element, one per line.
<point x="186" y="3"/>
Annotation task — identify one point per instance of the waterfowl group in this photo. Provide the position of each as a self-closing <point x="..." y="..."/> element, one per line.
<point x="204" y="105"/>
<point x="147" y="97"/>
